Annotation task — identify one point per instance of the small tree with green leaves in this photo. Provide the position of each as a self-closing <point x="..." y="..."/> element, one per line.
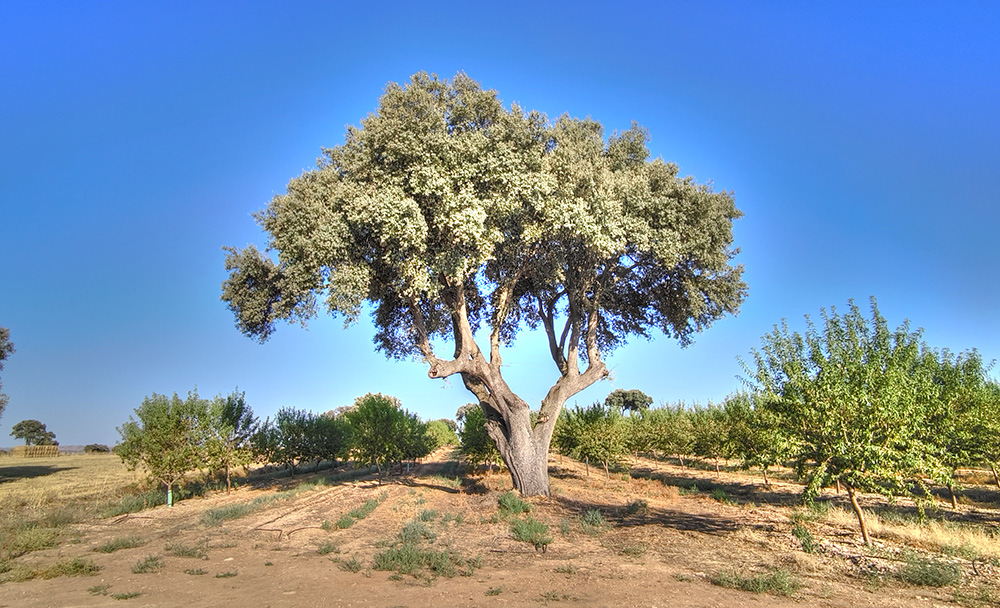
<point x="958" y="419"/>
<point x="673" y="430"/>
<point x="852" y="395"/>
<point x="441" y="434"/>
<point x="33" y="433"/>
<point x="710" y="433"/>
<point x="266" y="443"/>
<point x="293" y="438"/>
<point x="754" y="434"/>
<point x="329" y="438"/>
<point x="166" y="438"/>
<point x="383" y="433"/>
<point x="230" y="426"/>
<point x="595" y="433"/>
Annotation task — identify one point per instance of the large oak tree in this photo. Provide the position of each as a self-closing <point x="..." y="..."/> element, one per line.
<point x="446" y="212"/>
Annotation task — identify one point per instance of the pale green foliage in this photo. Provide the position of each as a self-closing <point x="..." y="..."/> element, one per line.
<point x="665" y="429"/>
<point x="443" y="181"/>
<point x="710" y="432"/>
<point x="6" y="350"/>
<point x="166" y="439"/>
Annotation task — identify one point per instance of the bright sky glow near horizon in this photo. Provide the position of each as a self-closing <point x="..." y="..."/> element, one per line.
<point x="861" y="140"/>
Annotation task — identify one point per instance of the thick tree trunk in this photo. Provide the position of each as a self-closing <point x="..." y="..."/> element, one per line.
<point x="523" y="448"/>
<point x="528" y="463"/>
<point x="954" y="499"/>
<point x="996" y="477"/>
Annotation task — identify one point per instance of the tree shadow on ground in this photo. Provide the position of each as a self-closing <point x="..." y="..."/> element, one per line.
<point x="670" y="518"/>
<point x="29" y="471"/>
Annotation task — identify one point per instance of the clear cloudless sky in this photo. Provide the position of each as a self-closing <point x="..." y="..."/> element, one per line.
<point x="861" y="140"/>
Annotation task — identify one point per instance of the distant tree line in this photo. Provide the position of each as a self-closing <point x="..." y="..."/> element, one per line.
<point x="171" y="437"/>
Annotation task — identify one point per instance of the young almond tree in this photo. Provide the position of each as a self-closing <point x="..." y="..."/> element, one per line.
<point x="959" y="421"/>
<point x="853" y="397"/>
<point x="166" y="439"/>
<point x="383" y="433"/>
<point x="446" y="211"/>
<point x="230" y="427"/>
<point x="754" y="434"/>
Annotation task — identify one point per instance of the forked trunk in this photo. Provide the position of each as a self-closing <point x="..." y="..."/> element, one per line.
<point x="524" y="449"/>
<point x="766" y="482"/>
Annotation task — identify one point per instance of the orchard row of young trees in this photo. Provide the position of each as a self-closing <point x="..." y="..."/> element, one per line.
<point x="171" y="437"/>
<point x="849" y="402"/>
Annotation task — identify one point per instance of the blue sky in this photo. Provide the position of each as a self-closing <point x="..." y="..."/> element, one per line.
<point x="136" y="139"/>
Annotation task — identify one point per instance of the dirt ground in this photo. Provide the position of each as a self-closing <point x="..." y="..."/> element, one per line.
<point x="663" y="555"/>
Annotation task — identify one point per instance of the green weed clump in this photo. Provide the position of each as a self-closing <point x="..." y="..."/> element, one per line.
<point x="345" y="521"/>
<point x="805" y="537"/>
<point x="181" y="550"/>
<point x="327" y="547"/>
<point x="511" y="504"/>
<point x="593" y="523"/>
<point x="215" y="517"/>
<point x="722" y="496"/>
<point x="779" y="582"/>
<point x="416" y="531"/>
<point x="77" y="566"/>
<point x="126" y="595"/>
<point x="147" y="565"/>
<point x="133" y="503"/>
<point x="29" y="538"/>
<point x="117" y="544"/>
<point x="928" y="572"/>
<point x="409" y="558"/>
<point x="352" y="565"/>
<point x="531" y="531"/>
